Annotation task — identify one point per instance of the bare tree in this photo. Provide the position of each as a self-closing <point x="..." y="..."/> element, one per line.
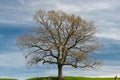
<point x="62" y="39"/>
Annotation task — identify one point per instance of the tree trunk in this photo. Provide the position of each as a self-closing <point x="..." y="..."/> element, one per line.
<point x="60" y="72"/>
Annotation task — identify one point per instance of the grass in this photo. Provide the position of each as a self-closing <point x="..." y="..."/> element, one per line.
<point x="70" y="78"/>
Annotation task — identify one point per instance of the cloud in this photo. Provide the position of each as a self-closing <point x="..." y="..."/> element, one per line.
<point x="16" y="21"/>
<point x="112" y="35"/>
<point x="109" y="32"/>
<point x="24" y="9"/>
<point x="104" y="71"/>
<point x="12" y="59"/>
<point x="68" y="8"/>
<point x="84" y="7"/>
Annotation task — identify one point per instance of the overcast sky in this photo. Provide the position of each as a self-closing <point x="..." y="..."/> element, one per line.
<point x="16" y="18"/>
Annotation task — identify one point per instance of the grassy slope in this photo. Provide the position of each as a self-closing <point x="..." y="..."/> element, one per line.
<point x="71" y="78"/>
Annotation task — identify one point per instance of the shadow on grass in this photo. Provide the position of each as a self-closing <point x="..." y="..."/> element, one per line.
<point x="43" y="78"/>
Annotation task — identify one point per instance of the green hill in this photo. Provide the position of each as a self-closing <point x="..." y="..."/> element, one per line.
<point x="70" y="78"/>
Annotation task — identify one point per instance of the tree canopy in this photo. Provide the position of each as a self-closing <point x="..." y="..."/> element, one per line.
<point x="61" y="39"/>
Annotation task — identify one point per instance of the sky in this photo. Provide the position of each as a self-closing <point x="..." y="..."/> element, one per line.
<point x="16" y="18"/>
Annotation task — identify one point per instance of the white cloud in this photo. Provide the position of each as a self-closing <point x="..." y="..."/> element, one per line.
<point x="68" y="8"/>
<point x="12" y="59"/>
<point x="84" y="7"/>
<point x="23" y="13"/>
<point x="114" y="35"/>
<point x="104" y="71"/>
<point x="16" y="21"/>
<point x="98" y="6"/>
<point x="109" y="32"/>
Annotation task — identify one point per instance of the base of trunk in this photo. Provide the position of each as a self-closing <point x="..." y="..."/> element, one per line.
<point x="60" y="77"/>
